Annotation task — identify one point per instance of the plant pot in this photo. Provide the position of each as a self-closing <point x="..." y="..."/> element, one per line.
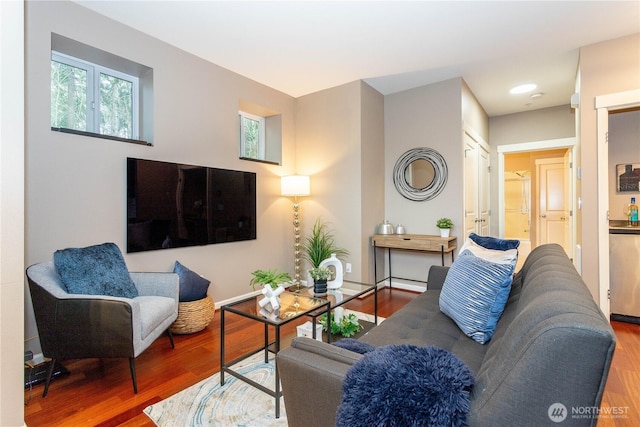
<point x="444" y="232"/>
<point x="320" y="287"/>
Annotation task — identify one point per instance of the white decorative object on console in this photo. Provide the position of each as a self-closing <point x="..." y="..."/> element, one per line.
<point x="337" y="265"/>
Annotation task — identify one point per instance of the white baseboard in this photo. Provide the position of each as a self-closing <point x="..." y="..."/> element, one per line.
<point x="408" y="286"/>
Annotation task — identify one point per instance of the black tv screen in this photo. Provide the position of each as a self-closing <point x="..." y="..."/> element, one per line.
<point x="172" y="205"/>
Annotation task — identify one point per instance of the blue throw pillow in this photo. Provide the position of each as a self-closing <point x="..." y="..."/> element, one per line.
<point x="354" y="345"/>
<point x="95" y="270"/>
<point x="405" y="385"/>
<point x="193" y="287"/>
<point x="489" y="242"/>
<point x="474" y="294"/>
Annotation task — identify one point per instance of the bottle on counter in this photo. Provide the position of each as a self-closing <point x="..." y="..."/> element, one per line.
<point x="633" y="212"/>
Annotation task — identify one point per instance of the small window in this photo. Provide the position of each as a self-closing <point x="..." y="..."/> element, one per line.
<point x="91" y="98"/>
<point x="252" y="136"/>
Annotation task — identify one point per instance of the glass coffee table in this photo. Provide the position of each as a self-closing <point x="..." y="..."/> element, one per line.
<point x="342" y="295"/>
<point x="292" y="306"/>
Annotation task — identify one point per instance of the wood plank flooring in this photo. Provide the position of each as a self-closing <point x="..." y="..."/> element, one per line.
<point x="99" y="392"/>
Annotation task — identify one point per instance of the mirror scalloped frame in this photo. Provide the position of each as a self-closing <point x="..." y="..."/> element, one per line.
<point x="433" y="188"/>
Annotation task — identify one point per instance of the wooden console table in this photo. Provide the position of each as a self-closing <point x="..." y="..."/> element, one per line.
<point x="410" y="242"/>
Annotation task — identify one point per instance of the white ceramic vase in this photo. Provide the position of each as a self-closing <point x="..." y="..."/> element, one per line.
<point x="444" y="232"/>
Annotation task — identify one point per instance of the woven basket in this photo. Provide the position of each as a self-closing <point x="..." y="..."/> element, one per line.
<point x="193" y="316"/>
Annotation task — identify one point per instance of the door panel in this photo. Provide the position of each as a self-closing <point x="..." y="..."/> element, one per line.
<point x="552" y="204"/>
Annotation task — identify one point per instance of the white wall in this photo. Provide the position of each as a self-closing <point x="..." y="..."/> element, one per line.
<point x="75" y="185"/>
<point x="11" y="213"/>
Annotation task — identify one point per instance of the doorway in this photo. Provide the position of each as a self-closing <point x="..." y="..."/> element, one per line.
<point x="535" y="187"/>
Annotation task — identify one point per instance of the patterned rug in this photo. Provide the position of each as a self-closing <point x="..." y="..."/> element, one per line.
<point x="234" y="404"/>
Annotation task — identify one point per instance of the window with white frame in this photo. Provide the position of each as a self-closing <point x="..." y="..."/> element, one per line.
<point x="91" y="98"/>
<point x="252" y="136"/>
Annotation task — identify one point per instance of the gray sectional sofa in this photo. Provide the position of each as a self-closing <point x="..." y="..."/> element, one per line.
<point x="552" y="345"/>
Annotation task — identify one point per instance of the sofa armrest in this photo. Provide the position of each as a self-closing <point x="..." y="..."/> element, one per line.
<point x="323" y="364"/>
<point x="157" y="284"/>
<point x="437" y="274"/>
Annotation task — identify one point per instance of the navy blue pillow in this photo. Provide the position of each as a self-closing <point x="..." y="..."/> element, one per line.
<point x="489" y="242"/>
<point x="405" y="385"/>
<point x="95" y="270"/>
<point x="193" y="287"/>
<point x="354" y="345"/>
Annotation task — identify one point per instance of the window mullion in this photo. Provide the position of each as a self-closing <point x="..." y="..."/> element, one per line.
<point x="93" y="107"/>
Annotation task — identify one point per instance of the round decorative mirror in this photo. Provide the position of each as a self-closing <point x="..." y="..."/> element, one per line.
<point x="420" y="174"/>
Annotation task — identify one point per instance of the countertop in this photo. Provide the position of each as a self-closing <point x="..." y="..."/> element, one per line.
<point x="621" y="226"/>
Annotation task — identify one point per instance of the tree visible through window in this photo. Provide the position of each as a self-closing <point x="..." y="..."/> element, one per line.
<point x="252" y="138"/>
<point x="88" y="97"/>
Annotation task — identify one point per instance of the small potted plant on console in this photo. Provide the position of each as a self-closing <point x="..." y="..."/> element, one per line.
<point x="445" y="225"/>
<point x="320" y="276"/>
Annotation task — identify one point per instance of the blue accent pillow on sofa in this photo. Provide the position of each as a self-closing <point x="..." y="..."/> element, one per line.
<point x="474" y="294"/>
<point x="405" y="385"/>
<point x="193" y="287"/>
<point x="95" y="270"/>
<point x="354" y="345"/>
<point x="489" y="242"/>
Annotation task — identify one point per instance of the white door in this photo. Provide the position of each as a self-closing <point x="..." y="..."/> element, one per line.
<point x="470" y="185"/>
<point x="553" y="202"/>
<point x="484" y="209"/>
<point x="476" y="187"/>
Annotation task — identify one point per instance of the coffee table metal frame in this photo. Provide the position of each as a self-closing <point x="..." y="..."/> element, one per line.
<point x="309" y="304"/>
<point x="353" y="290"/>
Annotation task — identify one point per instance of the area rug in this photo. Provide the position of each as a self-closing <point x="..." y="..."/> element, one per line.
<point x="234" y="404"/>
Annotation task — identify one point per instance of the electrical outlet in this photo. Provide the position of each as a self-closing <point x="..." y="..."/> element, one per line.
<point x="348" y="268"/>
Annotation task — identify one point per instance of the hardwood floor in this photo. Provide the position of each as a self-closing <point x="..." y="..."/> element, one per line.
<point x="99" y="392"/>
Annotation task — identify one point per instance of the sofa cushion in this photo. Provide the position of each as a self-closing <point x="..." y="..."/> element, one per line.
<point x="154" y="310"/>
<point x="420" y="322"/>
<point x="95" y="270"/>
<point x="193" y="287"/>
<point x="474" y="294"/>
<point x="435" y="389"/>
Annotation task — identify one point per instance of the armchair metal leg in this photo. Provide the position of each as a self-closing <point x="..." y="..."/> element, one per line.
<point x="170" y="337"/>
<point x="49" y="375"/>
<point x="132" y="366"/>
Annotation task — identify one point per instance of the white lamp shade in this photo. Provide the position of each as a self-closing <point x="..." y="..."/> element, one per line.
<point x="295" y="185"/>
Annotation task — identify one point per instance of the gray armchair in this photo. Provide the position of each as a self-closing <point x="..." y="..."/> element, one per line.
<point x="76" y="326"/>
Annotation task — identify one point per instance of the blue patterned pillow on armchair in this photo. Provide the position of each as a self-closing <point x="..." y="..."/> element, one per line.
<point x="95" y="270"/>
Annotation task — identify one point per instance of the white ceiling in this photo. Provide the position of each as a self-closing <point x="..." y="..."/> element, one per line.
<point x="300" y="47"/>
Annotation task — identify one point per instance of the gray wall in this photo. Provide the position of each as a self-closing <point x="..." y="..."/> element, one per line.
<point x="430" y="116"/>
<point x="536" y="125"/>
<point x="339" y="142"/>
<point x="75" y="185"/>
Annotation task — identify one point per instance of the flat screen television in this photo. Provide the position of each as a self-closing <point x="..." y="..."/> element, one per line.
<point x="172" y="205"/>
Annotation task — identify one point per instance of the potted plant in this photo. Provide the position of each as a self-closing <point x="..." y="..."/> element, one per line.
<point x="320" y="244"/>
<point x="347" y="326"/>
<point x="445" y="225"/>
<point x="273" y="278"/>
<point x="320" y="276"/>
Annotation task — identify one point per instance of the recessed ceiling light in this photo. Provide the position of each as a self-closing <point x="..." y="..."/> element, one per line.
<point x="537" y="95"/>
<point x="527" y="87"/>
